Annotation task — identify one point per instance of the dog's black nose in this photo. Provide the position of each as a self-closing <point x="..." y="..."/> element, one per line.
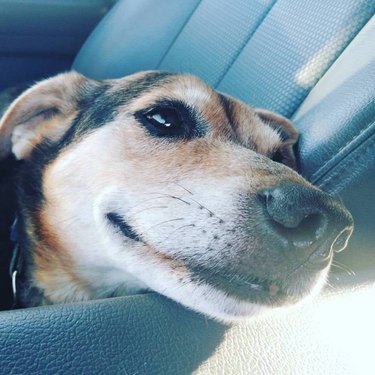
<point x="308" y="221"/>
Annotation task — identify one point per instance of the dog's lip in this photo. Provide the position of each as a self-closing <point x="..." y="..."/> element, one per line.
<point x="259" y="290"/>
<point x="250" y="288"/>
<point x="119" y="222"/>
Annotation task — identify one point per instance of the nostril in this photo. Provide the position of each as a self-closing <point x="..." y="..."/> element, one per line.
<point x="280" y="210"/>
<point x="303" y="235"/>
<point x="294" y="218"/>
<point x="305" y="220"/>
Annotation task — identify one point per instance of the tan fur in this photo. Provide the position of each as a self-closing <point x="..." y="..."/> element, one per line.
<point x="23" y="125"/>
<point x="162" y="162"/>
<point x="50" y="255"/>
<point x="185" y="198"/>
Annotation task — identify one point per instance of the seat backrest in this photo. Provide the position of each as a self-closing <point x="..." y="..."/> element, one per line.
<point x="313" y="61"/>
<point x="303" y="59"/>
<point x="267" y="53"/>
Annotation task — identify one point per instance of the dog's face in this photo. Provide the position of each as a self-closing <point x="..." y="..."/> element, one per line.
<point x="156" y="181"/>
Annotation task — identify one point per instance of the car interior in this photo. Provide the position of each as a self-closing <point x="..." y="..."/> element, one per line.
<point x="312" y="61"/>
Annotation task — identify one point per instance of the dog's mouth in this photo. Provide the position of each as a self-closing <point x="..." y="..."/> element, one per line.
<point x="264" y="291"/>
<point x="118" y="222"/>
<point x="250" y="288"/>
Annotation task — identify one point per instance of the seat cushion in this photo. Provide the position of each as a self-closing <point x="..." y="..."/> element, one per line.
<point x="285" y="55"/>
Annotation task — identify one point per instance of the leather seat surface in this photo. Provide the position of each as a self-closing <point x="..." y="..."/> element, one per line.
<point x="312" y="61"/>
<point x="151" y="335"/>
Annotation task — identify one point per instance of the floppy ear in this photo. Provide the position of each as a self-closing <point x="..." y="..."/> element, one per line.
<point x="43" y="112"/>
<point x="288" y="134"/>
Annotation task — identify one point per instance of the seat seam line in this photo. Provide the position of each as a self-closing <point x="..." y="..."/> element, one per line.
<point x="326" y="182"/>
<point x="351" y="140"/>
<point x="178" y="34"/>
<point x="220" y="79"/>
<point x="370" y="138"/>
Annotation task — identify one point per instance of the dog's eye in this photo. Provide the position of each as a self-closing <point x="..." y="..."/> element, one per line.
<point x="172" y="119"/>
<point x="164" y="122"/>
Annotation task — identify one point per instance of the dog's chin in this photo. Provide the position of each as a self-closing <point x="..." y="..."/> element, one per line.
<point x="225" y="299"/>
<point x="230" y="308"/>
<point x="227" y="308"/>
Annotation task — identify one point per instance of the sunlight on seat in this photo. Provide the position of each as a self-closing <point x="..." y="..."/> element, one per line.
<point x="311" y="71"/>
<point x="353" y="60"/>
<point x="334" y="335"/>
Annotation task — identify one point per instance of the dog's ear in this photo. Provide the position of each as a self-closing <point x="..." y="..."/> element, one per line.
<point x="43" y="112"/>
<point x="285" y="153"/>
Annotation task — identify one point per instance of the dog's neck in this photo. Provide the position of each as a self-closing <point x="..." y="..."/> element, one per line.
<point x="8" y="172"/>
<point x="19" y="186"/>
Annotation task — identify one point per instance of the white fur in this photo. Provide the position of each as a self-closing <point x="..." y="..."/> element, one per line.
<point x="112" y="264"/>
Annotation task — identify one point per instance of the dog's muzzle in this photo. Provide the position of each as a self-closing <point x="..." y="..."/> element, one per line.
<point x="298" y="229"/>
<point x="308" y="223"/>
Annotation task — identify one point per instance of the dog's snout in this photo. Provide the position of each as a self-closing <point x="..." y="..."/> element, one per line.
<point x="295" y="211"/>
<point x="308" y="221"/>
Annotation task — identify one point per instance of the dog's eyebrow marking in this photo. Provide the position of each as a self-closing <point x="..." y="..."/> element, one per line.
<point x="228" y="112"/>
<point x="99" y="103"/>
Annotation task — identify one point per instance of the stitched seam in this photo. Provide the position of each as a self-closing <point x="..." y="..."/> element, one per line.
<point x="351" y="140"/>
<point x="335" y="189"/>
<point x="220" y="79"/>
<point x="345" y="167"/>
<point x="177" y="35"/>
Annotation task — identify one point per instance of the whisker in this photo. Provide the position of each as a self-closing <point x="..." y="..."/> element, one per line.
<point x="183" y="188"/>
<point x="330" y="285"/>
<point x="162" y="195"/>
<point x="144" y="201"/>
<point x="163" y="222"/>
<point x="145" y="209"/>
<point x="211" y="212"/>
<point x="343" y="267"/>
<point x="180" y="199"/>
<point x="183" y="226"/>
<point x="197" y="202"/>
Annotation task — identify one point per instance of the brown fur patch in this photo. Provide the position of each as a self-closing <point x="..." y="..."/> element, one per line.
<point x="43" y="112"/>
<point x="120" y="152"/>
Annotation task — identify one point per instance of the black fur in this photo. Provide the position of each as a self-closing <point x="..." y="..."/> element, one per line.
<point x="8" y="171"/>
<point x="21" y="190"/>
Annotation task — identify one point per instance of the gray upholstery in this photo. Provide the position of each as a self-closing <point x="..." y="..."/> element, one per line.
<point x="337" y="118"/>
<point x="267" y="53"/>
<point x="105" y="337"/>
<point x="272" y="54"/>
<point x="39" y="38"/>
<point x="310" y="60"/>
<point x="151" y="335"/>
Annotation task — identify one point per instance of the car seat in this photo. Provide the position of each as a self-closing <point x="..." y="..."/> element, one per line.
<point x="312" y="61"/>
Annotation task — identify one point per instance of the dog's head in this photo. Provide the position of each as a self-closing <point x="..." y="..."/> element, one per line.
<point x="156" y="181"/>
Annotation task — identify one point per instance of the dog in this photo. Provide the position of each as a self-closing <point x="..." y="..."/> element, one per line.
<point x="158" y="182"/>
